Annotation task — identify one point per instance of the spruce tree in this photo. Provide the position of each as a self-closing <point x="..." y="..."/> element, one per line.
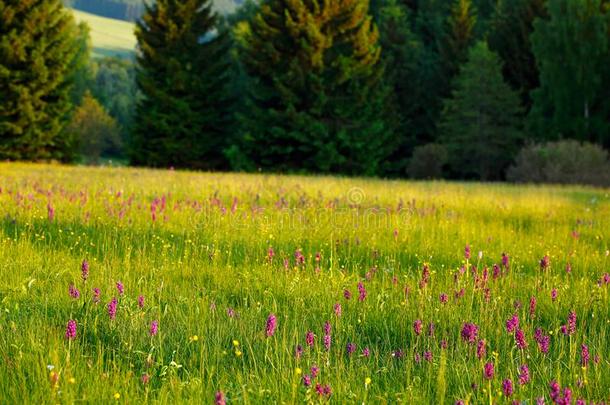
<point x="510" y="29"/>
<point x="184" y="118"/>
<point x="39" y="44"/>
<point x="480" y="122"/>
<point x="460" y="35"/>
<point x="572" y="49"/>
<point x="316" y="98"/>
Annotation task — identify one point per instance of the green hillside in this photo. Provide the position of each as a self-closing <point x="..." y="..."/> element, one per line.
<point x="109" y="37"/>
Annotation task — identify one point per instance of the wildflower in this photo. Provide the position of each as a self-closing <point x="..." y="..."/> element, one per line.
<point x="327" y="342"/>
<point x="444" y="344"/>
<point x="512" y="323"/>
<point x="505" y="260"/>
<point x="298" y="371"/>
<point x="554" y="294"/>
<point x="507" y="387"/>
<point x="417" y="327"/>
<point x="120" y="288"/>
<point x="425" y="277"/>
<point x="309" y="338"/>
<point x="532" y="306"/>
<point x="85" y="270"/>
<point x="431" y="329"/>
<point x="350" y="348"/>
<point x="524" y="374"/>
<point x="314" y="371"/>
<point x="428" y="356"/>
<point x="141" y="301"/>
<point x="337" y="309"/>
<point x="230" y="312"/>
<point x="323" y="390"/>
<point x="417" y="358"/>
<point x="71" y="329"/>
<point x="543" y="343"/>
<point x="298" y="351"/>
<point x="270" y="254"/>
<point x="74" y="293"/>
<point x="154" y="328"/>
<point x="555" y="393"/>
<point x="520" y="339"/>
<point x="112" y="308"/>
<point x="467" y="252"/>
<point x="145" y="379"/>
<point x="571" y="322"/>
<point x="194" y="338"/>
<point x="470" y="332"/>
<point x="306" y="380"/>
<point x="271" y="325"/>
<point x="361" y="292"/>
<point x="584" y="355"/>
<point x="481" y="349"/>
<point x="567" y="396"/>
<point x="219" y="398"/>
<point x="117" y="396"/>
<point x="96" y="295"/>
<point x="568" y="268"/>
<point x="545" y="262"/>
<point x="347" y="294"/>
<point x="327" y="328"/>
<point x="367" y="381"/>
<point x="366" y="352"/>
<point x="488" y="371"/>
<point x="443" y="298"/>
<point x="50" y="212"/>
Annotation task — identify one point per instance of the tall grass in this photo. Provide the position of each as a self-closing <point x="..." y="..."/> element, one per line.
<point x="214" y="255"/>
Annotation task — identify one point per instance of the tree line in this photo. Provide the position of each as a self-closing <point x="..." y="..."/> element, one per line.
<point x="424" y="88"/>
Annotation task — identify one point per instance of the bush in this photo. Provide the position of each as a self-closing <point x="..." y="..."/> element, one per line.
<point x="564" y="162"/>
<point x="93" y="130"/>
<point x="428" y="161"/>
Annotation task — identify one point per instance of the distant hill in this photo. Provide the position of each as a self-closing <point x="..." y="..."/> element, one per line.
<point x="109" y="37"/>
<point x="130" y="10"/>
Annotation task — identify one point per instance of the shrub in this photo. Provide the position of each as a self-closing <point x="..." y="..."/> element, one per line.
<point x="427" y="161"/>
<point x="564" y="162"/>
<point x="93" y="130"/>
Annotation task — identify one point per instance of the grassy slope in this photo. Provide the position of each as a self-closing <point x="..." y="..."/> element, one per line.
<point x="109" y="37"/>
<point x="207" y="251"/>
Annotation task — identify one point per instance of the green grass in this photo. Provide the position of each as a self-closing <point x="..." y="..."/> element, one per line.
<point x="109" y="37"/>
<point x="207" y="251"/>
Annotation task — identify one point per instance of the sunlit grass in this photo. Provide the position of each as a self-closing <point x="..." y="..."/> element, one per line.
<point x="201" y="247"/>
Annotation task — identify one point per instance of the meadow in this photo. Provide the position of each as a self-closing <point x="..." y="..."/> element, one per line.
<point x="163" y="286"/>
<point x="109" y="37"/>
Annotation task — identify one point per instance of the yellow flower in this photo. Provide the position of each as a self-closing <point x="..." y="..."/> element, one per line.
<point x="298" y="371"/>
<point x="117" y="396"/>
<point x="194" y="338"/>
<point x="237" y="353"/>
<point x="236" y="343"/>
<point x="72" y="380"/>
<point x="367" y="381"/>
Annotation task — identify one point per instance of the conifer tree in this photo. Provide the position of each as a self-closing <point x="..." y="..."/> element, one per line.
<point x="185" y="116"/>
<point x="510" y="29"/>
<point x="39" y="44"/>
<point x="572" y="49"/>
<point x="480" y="122"/>
<point x="460" y="35"/>
<point x="316" y="100"/>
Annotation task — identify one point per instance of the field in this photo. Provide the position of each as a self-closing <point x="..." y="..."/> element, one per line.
<point x="265" y="289"/>
<point x="109" y="37"/>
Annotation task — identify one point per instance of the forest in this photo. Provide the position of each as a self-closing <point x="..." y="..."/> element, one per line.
<point x="463" y="89"/>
